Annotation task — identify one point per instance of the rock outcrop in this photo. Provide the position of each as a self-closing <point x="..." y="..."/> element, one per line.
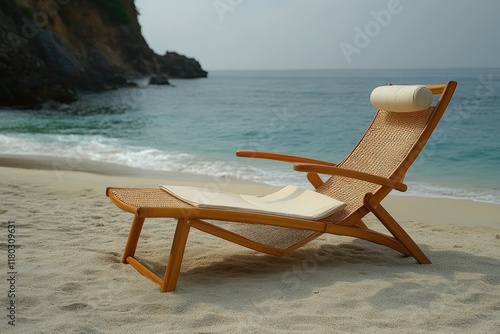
<point x="50" y="49"/>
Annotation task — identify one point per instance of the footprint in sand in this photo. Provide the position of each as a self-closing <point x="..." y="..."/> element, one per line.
<point x="74" y="307"/>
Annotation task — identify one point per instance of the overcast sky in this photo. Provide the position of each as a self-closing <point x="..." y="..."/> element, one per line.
<point x="325" y="34"/>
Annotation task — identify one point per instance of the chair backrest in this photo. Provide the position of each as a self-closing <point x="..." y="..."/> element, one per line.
<point x="388" y="148"/>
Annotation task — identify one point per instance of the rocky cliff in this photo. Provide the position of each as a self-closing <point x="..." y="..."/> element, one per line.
<point x="49" y="49"/>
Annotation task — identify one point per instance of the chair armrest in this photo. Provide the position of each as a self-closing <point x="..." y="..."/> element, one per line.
<point x="280" y="157"/>
<point x="332" y="170"/>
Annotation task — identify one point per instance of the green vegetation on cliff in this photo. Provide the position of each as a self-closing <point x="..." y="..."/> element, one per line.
<point x="115" y="10"/>
<point x="10" y="7"/>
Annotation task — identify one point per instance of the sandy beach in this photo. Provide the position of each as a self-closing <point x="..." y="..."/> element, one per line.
<point x="68" y="277"/>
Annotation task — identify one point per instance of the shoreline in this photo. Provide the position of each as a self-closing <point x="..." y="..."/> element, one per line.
<point x="63" y="175"/>
<point x="55" y="163"/>
<point x="62" y="165"/>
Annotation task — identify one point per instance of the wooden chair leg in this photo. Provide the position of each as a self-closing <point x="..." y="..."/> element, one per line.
<point x="397" y="231"/>
<point x="175" y="257"/>
<point x="133" y="238"/>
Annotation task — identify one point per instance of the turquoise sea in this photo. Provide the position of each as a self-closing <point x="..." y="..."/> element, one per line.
<point x="195" y="126"/>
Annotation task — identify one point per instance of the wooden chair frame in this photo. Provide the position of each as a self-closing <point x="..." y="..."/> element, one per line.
<point x="155" y="203"/>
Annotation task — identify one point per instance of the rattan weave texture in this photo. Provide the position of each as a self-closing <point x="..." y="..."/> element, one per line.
<point x="381" y="151"/>
<point x="148" y="198"/>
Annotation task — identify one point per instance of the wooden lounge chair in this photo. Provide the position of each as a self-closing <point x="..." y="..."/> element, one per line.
<point x="376" y="166"/>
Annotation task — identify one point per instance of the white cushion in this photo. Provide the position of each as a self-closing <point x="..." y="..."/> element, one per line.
<point x="290" y="201"/>
<point x="402" y="98"/>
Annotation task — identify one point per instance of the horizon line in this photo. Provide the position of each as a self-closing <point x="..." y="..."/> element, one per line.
<point x="359" y="69"/>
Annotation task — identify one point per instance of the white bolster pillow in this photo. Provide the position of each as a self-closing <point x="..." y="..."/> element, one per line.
<point x="402" y="98"/>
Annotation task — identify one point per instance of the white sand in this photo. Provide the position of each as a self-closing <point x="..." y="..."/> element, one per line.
<point x="69" y="239"/>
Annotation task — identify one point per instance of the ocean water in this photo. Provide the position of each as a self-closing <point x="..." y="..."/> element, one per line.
<point x="196" y="126"/>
